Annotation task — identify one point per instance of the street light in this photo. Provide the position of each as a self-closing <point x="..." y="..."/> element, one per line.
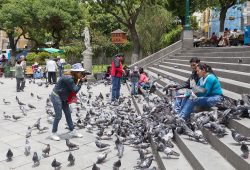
<point x="187" y="16"/>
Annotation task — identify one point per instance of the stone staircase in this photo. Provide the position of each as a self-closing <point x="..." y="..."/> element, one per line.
<point x="232" y="66"/>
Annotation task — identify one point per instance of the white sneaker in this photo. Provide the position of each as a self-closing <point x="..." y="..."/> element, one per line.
<point x="55" y="137"/>
<point x="74" y="133"/>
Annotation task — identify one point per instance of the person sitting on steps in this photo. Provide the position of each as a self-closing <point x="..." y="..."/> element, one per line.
<point x="211" y="96"/>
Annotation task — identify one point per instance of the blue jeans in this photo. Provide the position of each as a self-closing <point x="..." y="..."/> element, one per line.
<point x="116" y="86"/>
<point x="200" y="101"/>
<point x="179" y="103"/>
<point x="134" y="88"/>
<point x="59" y="105"/>
<point x="60" y="70"/>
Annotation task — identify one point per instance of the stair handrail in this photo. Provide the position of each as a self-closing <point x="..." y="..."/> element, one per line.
<point x="173" y="48"/>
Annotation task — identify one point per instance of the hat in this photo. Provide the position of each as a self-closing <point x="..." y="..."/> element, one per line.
<point x="58" y="57"/>
<point x="77" y="67"/>
<point x="36" y="63"/>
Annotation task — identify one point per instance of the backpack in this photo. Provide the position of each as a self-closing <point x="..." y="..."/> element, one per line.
<point x="117" y="62"/>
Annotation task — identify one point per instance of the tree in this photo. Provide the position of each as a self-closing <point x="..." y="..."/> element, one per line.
<point x="159" y="21"/>
<point x="126" y="12"/>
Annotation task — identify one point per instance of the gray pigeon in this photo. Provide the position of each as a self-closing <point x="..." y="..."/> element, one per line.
<point x="238" y="137"/>
<point x="46" y="150"/>
<point x="102" y="157"/>
<point x="16" y="117"/>
<point x="169" y="152"/>
<point x="31" y="106"/>
<point x="6" y="102"/>
<point x="117" y="165"/>
<point x="245" y="150"/>
<point x="27" y="148"/>
<point x="95" y="167"/>
<point x="28" y="133"/>
<point x="101" y="145"/>
<point x="36" y="159"/>
<point x="9" y="155"/>
<point x="55" y="164"/>
<point x="71" y="159"/>
<point x="71" y="145"/>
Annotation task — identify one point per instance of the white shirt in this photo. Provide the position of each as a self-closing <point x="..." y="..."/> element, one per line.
<point x="51" y="66"/>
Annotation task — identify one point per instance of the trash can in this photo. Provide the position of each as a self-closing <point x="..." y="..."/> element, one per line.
<point x="247" y="35"/>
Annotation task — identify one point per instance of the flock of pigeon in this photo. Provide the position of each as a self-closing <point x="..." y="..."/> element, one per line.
<point x="119" y="123"/>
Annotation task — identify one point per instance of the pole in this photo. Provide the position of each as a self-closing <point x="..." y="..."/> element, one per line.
<point x="187" y="16"/>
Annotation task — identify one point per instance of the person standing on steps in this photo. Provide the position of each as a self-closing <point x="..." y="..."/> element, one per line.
<point x="62" y="94"/>
<point x="116" y="74"/>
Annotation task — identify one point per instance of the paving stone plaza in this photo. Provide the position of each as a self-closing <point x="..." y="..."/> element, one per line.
<point x="13" y="132"/>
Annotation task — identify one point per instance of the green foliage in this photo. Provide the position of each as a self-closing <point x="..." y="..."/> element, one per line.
<point x="40" y="57"/>
<point x="73" y="53"/>
<point x="171" y="37"/>
<point x="194" y="23"/>
<point x="158" y="21"/>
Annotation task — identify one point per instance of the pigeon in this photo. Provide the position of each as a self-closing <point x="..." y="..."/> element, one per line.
<point x="95" y="167"/>
<point x="56" y="164"/>
<point x="31" y="106"/>
<point x="28" y="133"/>
<point x="1" y="82"/>
<point x="9" y="155"/>
<point x="27" y="148"/>
<point x="71" y="159"/>
<point x="46" y="150"/>
<point x="5" y="102"/>
<point x="71" y="145"/>
<point x="41" y="130"/>
<point x="39" y="97"/>
<point x="101" y="145"/>
<point x="169" y="152"/>
<point x="245" y="150"/>
<point x="102" y="157"/>
<point x="119" y="147"/>
<point x="36" y="159"/>
<point x="16" y="117"/>
<point x="117" y="165"/>
<point x="37" y="123"/>
<point x="146" y="163"/>
<point x="32" y="95"/>
<point x="20" y="103"/>
<point x="24" y="111"/>
<point x="238" y="137"/>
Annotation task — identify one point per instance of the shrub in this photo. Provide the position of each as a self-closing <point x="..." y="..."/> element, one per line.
<point x="171" y="37"/>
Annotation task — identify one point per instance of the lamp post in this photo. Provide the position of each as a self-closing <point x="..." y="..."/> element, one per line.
<point x="187" y="16"/>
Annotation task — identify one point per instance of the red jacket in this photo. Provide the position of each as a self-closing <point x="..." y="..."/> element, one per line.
<point x="117" y="72"/>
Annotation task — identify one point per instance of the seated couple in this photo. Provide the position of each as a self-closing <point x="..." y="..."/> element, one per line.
<point x="204" y="90"/>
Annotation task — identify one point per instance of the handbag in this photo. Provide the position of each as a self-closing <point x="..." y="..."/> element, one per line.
<point x="72" y="98"/>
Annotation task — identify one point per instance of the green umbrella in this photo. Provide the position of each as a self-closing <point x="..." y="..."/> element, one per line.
<point x="51" y="50"/>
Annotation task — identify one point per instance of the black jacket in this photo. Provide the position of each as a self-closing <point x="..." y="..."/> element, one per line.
<point x="194" y="76"/>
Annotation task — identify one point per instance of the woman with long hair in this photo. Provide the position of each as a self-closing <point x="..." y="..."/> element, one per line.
<point x="211" y="95"/>
<point x="62" y="94"/>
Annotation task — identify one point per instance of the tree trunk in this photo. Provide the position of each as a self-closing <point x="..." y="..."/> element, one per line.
<point x="223" y="14"/>
<point x="136" y="44"/>
<point x="12" y="46"/>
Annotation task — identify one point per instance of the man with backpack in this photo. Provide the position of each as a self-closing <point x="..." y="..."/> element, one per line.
<point x="116" y="73"/>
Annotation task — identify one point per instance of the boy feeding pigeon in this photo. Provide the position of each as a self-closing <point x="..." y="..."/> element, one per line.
<point x="134" y="78"/>
<point x="66" y="87"/>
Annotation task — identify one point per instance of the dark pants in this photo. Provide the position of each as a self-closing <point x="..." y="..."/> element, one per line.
<point x="20" y="83"/>
<point x="52" y="75"/>
<point x="116" y="86"/>
<point x="60" y="106"/>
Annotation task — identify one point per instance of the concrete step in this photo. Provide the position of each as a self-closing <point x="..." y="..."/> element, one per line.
<point x="242" y="126"/>
<point x="215" y="65"/>
<point x="161" y="159"/>
<point x="245" y="60"/>
<point x="234" y="86"/>
<point x="230" y="74"/>
<point x="180" y="79"/>
<point x="216" y="49"/>
<point x="216" y="54"/>
<point x="229" y="84"/>
<point x="229" y="149"/>
<point x="201" y="156"/>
